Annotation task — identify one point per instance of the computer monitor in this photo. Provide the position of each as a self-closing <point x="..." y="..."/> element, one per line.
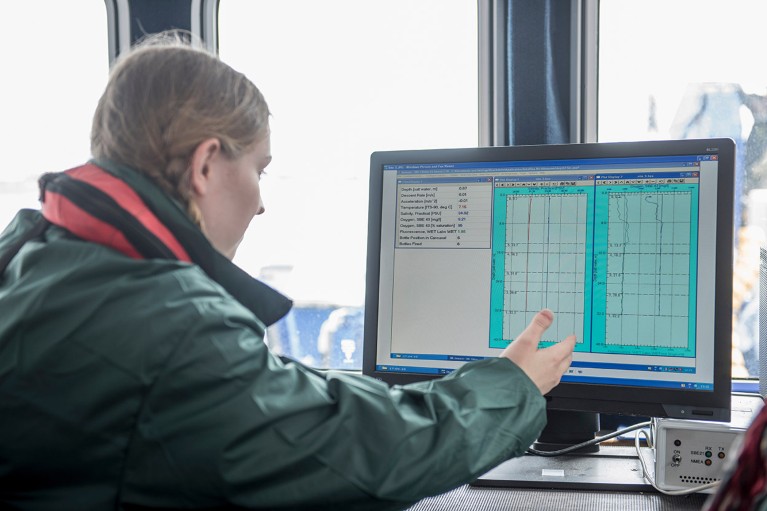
<point x="629" y="244"/>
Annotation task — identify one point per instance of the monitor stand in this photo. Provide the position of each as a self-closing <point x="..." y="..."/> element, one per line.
<point x="613" y="468"/>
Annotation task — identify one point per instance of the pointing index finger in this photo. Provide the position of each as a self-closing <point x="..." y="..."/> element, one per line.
<point x="544" y="318"/>
<point x="540" y="323"/>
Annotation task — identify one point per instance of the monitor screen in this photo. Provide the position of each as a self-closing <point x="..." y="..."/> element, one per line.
<point x="629" y="244"/>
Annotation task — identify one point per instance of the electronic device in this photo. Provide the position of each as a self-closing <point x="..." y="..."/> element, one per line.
<point x="693" y="453"/>
<point x="630" y="244"/>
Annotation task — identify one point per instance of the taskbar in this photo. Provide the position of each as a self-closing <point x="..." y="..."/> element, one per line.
<point x="644" y="368"/>
<point x="626" y="382"/>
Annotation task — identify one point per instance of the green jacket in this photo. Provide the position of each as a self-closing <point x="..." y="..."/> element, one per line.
<point x="127" y="382"/>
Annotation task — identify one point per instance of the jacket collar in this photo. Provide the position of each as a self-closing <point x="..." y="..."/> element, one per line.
<point x="113" y="205"/>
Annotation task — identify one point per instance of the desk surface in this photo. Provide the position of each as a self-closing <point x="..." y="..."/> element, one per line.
<point x="588" y="473"/>
<point x="469" y="497"/>
<point x="527" y="498"/>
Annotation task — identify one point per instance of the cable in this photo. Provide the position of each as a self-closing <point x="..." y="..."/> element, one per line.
<point x="587" y="443"/>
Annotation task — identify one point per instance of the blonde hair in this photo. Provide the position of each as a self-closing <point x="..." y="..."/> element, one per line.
<point x="162" y="100"/>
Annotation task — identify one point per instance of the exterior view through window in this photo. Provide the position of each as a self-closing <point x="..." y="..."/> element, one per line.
<point x="342" y="78"/>
<point x="48" y="96"/>
<point x="691" y="69"/>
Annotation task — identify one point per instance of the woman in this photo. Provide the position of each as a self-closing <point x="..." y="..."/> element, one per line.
<point x="133" y="371"/>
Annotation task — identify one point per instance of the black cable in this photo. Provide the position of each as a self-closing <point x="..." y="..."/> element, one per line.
<point x="587" y="443"/>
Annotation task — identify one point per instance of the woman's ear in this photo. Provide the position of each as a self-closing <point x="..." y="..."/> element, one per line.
<point x="203" y="156"/>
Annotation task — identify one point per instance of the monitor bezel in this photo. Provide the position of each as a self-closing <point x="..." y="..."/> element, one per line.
<point x="654" y="402"/>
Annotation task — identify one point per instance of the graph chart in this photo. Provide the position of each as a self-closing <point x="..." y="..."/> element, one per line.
<point x="648" y="270"/>
<point x="544" y="261"/>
